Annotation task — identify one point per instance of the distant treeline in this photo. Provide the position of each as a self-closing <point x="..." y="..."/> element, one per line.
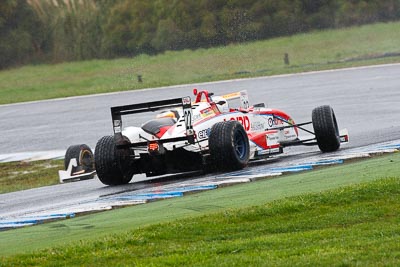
<point x="49" y="31"/>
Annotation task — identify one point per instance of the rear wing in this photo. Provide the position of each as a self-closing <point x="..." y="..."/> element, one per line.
<point x="184" y="102"/>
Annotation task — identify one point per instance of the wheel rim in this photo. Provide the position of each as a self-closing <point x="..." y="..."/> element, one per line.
<point x="86" y="160"/>
<point x="240" y="145"/>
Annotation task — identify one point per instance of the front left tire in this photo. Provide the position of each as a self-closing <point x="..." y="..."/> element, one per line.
<point x="83" y="155"/>
<point x="229" y="146"/>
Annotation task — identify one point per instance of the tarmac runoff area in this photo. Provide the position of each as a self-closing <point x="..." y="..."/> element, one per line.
<point x="182" y="187"/>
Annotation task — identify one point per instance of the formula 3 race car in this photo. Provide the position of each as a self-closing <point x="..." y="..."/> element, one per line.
<point x="208" y="133"/>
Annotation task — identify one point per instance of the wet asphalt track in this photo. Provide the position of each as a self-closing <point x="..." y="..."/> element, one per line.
<point x="365" y="100"/>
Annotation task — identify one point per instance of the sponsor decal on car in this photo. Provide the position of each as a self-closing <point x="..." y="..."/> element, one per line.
<point x="117" y="126"/>
<point x="203" y="134"/>
<point x="257" y="126"/>
<point x="244" y="120"/>
<point x="196" y="117"/>
<point x="206" y="112"/>
<point x="272" y="137"/>
<point x="186" y="101"/>
<point x="274" y="122"/>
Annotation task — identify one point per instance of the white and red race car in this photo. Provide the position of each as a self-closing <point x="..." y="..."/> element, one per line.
<point x="208" y="133"/>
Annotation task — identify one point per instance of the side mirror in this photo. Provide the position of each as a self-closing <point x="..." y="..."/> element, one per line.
<point x="195" y="91"/>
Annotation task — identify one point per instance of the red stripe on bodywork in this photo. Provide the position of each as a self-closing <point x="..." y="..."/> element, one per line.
<point x="162" y="131"/>
<point x="260" y="139"/>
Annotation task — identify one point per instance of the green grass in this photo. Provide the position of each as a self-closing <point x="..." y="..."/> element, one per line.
<point x="357" y="225"/>
<point x="15" y="176"/>
<point x="291" y="220"/>
<point x="311" y="51"/>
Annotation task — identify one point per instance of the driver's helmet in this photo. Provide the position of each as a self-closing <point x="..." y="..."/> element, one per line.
<point x="174" y="114"/>
<point x="222" y="104"/>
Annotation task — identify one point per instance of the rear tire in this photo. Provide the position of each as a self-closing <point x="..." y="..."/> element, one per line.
<point x="112" y="164"/>
<point x="326" y="128"/>
<point x="229" y="146"/>
<point x="83" y="155"/>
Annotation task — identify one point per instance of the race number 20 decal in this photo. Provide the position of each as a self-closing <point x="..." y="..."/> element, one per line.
<point x="187" y="112"/>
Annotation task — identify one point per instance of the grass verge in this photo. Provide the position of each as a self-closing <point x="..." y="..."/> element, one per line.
<point x="284" y="221"/>
<point x="15" y="176"/>
<point x="365" y="45"/>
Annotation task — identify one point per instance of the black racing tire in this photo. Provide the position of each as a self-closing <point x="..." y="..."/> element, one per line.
<point x="83" y="155"/>
<point x="111" y="163"/>
<point x="229" y="146"/>
<point x="326" y="128"/>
